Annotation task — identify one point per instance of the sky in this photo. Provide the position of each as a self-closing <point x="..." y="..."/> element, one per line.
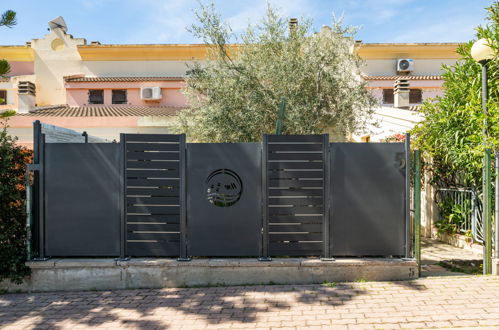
<point x="165" y="21"/>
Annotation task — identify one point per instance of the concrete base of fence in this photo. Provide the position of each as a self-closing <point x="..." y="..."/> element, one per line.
<point x="105" y="274"/>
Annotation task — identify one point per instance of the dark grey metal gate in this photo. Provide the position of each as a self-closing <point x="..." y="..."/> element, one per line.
<point x="82" y="199"/>
<point x="154" y="193"/>
<point x="295" y="212"/>
<point x="224" y="199"/>
<point x="368" y="205"/>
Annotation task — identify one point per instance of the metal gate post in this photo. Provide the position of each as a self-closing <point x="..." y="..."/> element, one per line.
<point x="183" y="200"/>
<point x="326" y="168"/>
<point x="39" y="162"/>
<point x="487" y="214"/>
<point x="265" y="211"/>
<point x="123" y="202"/>
<point x="496" y="211"/>
<point x="408" y="238"/>
<point x="417" y="208"/>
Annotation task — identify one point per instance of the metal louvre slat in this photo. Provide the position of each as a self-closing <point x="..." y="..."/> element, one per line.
<point x="295" y="194"/>
<point x="153" y="194"/>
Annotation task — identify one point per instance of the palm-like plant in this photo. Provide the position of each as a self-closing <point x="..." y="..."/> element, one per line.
<point x="8" y="19"/>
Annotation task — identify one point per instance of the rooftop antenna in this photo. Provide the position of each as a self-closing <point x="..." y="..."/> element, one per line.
<point x="58" y="22"/>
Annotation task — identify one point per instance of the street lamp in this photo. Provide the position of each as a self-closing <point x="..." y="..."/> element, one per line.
<point x="483" y="53"/>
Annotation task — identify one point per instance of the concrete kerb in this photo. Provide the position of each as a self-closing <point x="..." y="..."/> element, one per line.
<point x="108" y="274"/>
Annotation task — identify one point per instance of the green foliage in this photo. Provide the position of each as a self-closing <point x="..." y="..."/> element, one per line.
<point x="6" y="113"/>
<point x="234" y="97"/>
<point x="451" y="133"/>
<point x="12" y="208"/>
<point x="4" y="67"/>
<point x="8" y="19"/>
<point x="452" y="216"/>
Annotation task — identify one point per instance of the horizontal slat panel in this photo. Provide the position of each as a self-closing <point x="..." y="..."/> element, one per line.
<point x="152" y="146"/>
<point x="295" y="237"/>
<point x="155" y="226"/>
<point x="310" y="227"/>
<point x="130" y="164"/>
<point x="295" y="147"/>
<point x="294" y="246"/>
<point x="152" y="173"/>
<point x="291" y="219"/>
<point x="154" y="192"/>
<point x="294" y="138"/>
<point x="152" y="182"/>
<point x="295" y="156"/>
<point x="293" y="183"/>
<point x="294" y="165"/>
<point x="153" y="155"/>
<point x="169" y="218"/>
<point x="149" y="249"/>
<point x="153" y="200"/>
<point x="295" y="192"/>
<point x="154" y="209"/>
<point x="295" y="210"/>
<point x="295" y="201"/>
<point x="152" y="138"/>
<point x="294" y="174"/>
<point x="153" y="236"/>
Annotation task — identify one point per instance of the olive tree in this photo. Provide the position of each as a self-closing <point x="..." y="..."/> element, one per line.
<point x="235" y="94"/>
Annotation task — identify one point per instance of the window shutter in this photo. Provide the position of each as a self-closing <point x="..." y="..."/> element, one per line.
<point x="416" y="96"/>
<point x="388" y="96"/>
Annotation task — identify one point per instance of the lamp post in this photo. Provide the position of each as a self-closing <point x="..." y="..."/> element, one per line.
<point x="483" y="53"/>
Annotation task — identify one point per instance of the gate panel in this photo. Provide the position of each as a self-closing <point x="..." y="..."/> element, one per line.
<point x="367" y="199"/>
<point x="82" y="199"/>
<point x="295" y="194"/>
<point x="153" y="194"/>
<point x="224" y="199"/>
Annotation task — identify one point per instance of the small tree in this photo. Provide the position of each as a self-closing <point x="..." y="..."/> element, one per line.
<point x="234" y="96"/>
<point x="12" y="208"/>
<point x="7" y="19"/>
<point x="451" y="133"/>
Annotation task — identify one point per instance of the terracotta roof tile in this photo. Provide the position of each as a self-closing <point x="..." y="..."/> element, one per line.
<point x="404" y="77"/>
<point x="120" y="79"/>
<point x="102" y="111"/>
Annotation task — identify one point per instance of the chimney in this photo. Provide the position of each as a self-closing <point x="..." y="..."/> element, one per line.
<point x="293" y="24"/>
<point x="401" y="93"/>
<point x="26" y="94"/>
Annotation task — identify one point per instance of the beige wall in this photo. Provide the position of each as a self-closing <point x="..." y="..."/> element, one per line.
<point x="56" y="56"/>
<point x="387" y="67"/>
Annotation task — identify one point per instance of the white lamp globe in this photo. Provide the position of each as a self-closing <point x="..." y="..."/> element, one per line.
<point x="481" y="51"/>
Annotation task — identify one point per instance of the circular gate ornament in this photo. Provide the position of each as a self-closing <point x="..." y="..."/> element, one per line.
<point x="223" y="188"/>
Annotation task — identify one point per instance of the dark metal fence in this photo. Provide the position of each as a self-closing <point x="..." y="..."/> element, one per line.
<point x="156" y="195"/>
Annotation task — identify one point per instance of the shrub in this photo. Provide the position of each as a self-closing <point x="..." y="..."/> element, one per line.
<point x="12" y="207"/>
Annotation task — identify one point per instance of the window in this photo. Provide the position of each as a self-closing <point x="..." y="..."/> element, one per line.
<point x="387" y="96"/>
<point x="416" y="96"/>
<point x="96" y="96"/>
<point x="3" y="96"/>
<point x="119" y="96"/>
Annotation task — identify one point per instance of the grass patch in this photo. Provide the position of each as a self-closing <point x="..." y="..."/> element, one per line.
<point x="463" y="266"/>
<point x="330" y="284"/>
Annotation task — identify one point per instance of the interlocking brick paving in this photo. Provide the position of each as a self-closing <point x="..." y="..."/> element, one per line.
<point x="431" y="302"/>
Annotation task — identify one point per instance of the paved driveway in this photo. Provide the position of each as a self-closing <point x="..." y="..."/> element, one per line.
<point x="444" y="302"/>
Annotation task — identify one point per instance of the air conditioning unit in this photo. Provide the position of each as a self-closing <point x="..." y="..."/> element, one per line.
<point x="405" y="65"/>
<point x="150" y="93"/>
